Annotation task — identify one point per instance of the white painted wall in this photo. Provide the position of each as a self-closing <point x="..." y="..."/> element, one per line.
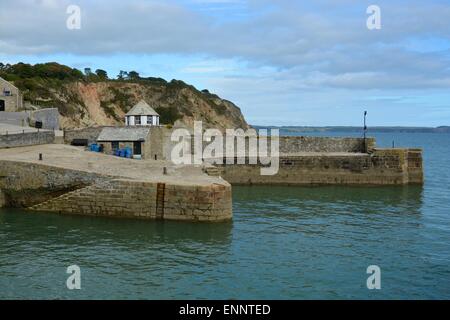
<point x="129" y="121"/>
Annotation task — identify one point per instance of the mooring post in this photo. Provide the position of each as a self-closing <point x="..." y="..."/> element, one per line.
<point x="364" y="133"/>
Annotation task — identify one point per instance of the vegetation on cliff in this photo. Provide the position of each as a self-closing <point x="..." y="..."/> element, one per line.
<point x="93" y="98"/>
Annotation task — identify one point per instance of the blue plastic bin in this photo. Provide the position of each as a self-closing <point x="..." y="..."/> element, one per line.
<point x="94" y="147"/>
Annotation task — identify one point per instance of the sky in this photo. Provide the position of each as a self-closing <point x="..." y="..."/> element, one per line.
<point x="283" y="62"/>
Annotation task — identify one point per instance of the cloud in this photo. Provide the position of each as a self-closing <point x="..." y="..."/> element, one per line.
<point x="307" y="44"/>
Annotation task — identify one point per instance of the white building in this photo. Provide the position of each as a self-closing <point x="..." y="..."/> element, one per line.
<point x="142" y="115"/>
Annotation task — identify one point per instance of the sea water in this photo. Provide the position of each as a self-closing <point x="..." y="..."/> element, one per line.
<point x="283" y="243"/>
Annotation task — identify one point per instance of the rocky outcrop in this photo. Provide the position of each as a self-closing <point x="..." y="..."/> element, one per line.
<point x="83" y="104"/>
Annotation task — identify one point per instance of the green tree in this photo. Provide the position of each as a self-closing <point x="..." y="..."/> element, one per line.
<point x="77" y="74"/>
<point x="102" y="74"/>
<point x="168" y="115"/>
<point x="122" y="75"/>
<point x="133" y="75"/>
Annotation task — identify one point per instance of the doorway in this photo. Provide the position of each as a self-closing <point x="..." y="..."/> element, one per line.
<point x="2" y="105"/>
<point x="137" y="149"/>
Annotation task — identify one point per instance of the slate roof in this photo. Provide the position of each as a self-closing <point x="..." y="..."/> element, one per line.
<point x="142" y="109"/>
<point x="124" y="134"/>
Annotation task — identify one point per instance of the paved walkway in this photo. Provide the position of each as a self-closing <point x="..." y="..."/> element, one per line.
<point x="76" y="158"/>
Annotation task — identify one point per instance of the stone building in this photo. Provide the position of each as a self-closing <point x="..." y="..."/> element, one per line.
<point x="114" y="138"/>
<point x="10" y="97"/>
<point x="144" y="142"/>
<point x="142" y="115"/>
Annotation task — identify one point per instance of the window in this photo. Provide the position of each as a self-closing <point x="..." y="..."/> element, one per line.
<point x="6" y="93"/>
<point x="137" y="120"/>
<point x="115" y="145"/>
<point x="149" y="120"/>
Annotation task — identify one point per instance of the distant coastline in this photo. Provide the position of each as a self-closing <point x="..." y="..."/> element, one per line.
<point x="440" y="129"/>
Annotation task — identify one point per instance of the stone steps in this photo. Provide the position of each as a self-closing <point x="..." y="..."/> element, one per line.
<point x="212" y="171"/>
<point x="46" y="205"/>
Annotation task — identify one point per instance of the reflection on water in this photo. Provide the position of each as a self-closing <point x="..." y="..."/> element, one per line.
<point x="283" y="243"/>
<point x="75" y="229"/>
<point x="407" y="196"/>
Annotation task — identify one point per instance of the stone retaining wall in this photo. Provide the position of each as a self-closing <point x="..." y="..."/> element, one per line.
<point x="15" y="118"/>
<point x="49" y="117"/>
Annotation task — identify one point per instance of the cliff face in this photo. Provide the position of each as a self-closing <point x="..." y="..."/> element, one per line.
<point x="84" y="104"/>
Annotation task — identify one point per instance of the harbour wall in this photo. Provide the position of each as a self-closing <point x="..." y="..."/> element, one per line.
<point x="22" y="139"/>
<point x="163" y="146"/>
<point x="47" y="188"/>
<point x="90" y="134"/>
<point x="309" y="160"/>
<point x="381" y="167"/>
<point x="319" y="160"/>
<point x="25" y="184"/>
<point x="297" y="144"/>
<point x="146" y="200"/>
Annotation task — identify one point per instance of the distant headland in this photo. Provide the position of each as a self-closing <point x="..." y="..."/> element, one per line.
<point x="440" y="129"/>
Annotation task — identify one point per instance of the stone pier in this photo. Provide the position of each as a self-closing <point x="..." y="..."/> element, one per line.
<point x="380" y="167"/>
<point x="73" y="181"/>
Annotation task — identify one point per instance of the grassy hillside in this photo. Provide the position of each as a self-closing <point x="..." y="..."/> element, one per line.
<point x="92" y="98"/>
